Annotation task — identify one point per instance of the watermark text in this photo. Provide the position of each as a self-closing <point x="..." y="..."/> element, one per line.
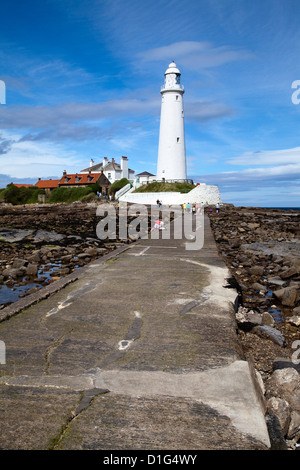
<point x="296" y="354"/>
<point x="296" y="94"/>
<point x="2" y="353"/>
<point x="2" y="92"/>
<point x="137" y="221"/>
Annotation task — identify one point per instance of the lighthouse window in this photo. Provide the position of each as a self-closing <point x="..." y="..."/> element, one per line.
<point x="177" y="139"/>
<point x="176" y="97"/>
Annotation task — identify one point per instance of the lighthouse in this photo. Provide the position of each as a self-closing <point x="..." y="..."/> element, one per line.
<point x="171" y="161"/>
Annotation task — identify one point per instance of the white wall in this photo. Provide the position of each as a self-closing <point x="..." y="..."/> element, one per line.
<point x="201" y="193"/>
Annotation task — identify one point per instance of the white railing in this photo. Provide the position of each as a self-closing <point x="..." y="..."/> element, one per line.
<point x="122" y="191"/>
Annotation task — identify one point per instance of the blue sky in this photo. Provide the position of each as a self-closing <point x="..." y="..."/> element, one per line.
<point x="83" y="80"/>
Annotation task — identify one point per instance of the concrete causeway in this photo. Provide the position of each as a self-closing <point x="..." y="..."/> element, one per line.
<point x="138" y="352"/>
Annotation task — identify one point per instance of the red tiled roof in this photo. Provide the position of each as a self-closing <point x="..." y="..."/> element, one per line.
<point x="83" y="178"/>
<point x="23" y="185"/>
<point x="44" y="184"/>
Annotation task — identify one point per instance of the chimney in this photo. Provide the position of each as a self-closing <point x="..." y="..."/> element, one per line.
<point x="104" y="161"/>
<point x="64" y="173"/>
<point x="124" y="168"/>
<point x="91" y="162"/>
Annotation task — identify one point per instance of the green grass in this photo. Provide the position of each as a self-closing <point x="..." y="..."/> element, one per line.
<point x="18" y="196"/>
<point x="156" y="187"/>
<point x="119" y="184"/>
<point x="69" y="194"/>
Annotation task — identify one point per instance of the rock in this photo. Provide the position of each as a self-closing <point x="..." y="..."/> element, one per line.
<point x="66" y="258"/>
<point x="12" y="235"/>
<point x="102" y="250"/>
<point x="35" y="256"/>
<point x="235" y="243"/>
<point x="32" y="270"/>
<point x="13" y="272"/>
<point x="287" y="296"/>
<point x="296" y="264"/>
<point x="91" y="251"/>
<point x="294" y="320"/>
<point x="280" y="408"/>
<point x="268" y="332"/>
<point x="285" y="384"/>
<point x="19" y="263"/>
<point x="46" y="237"/>
<point x="32" y="291"/>
<point x="284" y="363"/>
<point x="64" y="271"/>
<point x="248" y="318"/>
<point x="275" y="432"/>
<point x="289" y="273"/>
<point x="267" y="319"/>
<point x="83" y="255"/>
<point x="276" y="281"/>
<point x="259" y="287"/>
<point x="294" y="427"/>
<point x="256" y="270"/>
<point x="296" y="311"/>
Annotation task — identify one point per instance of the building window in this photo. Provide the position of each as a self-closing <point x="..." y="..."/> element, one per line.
<point x="109" y="175"/>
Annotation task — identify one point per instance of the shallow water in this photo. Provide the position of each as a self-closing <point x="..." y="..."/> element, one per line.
<point x="12" y="294"/>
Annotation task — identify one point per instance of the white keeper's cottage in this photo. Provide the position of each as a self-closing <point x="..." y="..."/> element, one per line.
<point x="112" y="170"/>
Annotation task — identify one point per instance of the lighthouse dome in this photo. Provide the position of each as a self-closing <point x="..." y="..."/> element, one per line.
<point x="172" y="68"/>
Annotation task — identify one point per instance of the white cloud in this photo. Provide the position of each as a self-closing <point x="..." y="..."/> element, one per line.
<point x="32" y="160"/>
<point x="206" y="110"/>
<point x="27" y="117"/>
<point x="195" y="55"/>
<point x="268" y="157"/>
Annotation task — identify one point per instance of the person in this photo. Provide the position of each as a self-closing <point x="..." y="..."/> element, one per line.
<point x="188" y="207"/>
<point x="158" y="225"/>
<point x="217" y="207"/>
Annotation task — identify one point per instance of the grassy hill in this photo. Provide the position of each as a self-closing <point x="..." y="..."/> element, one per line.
<point x="156" y="187"/>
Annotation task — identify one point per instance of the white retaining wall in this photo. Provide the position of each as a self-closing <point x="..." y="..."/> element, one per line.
<point x="209" y="195"/>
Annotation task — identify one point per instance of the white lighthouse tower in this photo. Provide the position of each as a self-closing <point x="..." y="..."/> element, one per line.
<point x="171" y="162"/>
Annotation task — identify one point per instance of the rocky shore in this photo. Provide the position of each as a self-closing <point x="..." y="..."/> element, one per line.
<point x="261" y="248"/>
<point x="40" y="244"/>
